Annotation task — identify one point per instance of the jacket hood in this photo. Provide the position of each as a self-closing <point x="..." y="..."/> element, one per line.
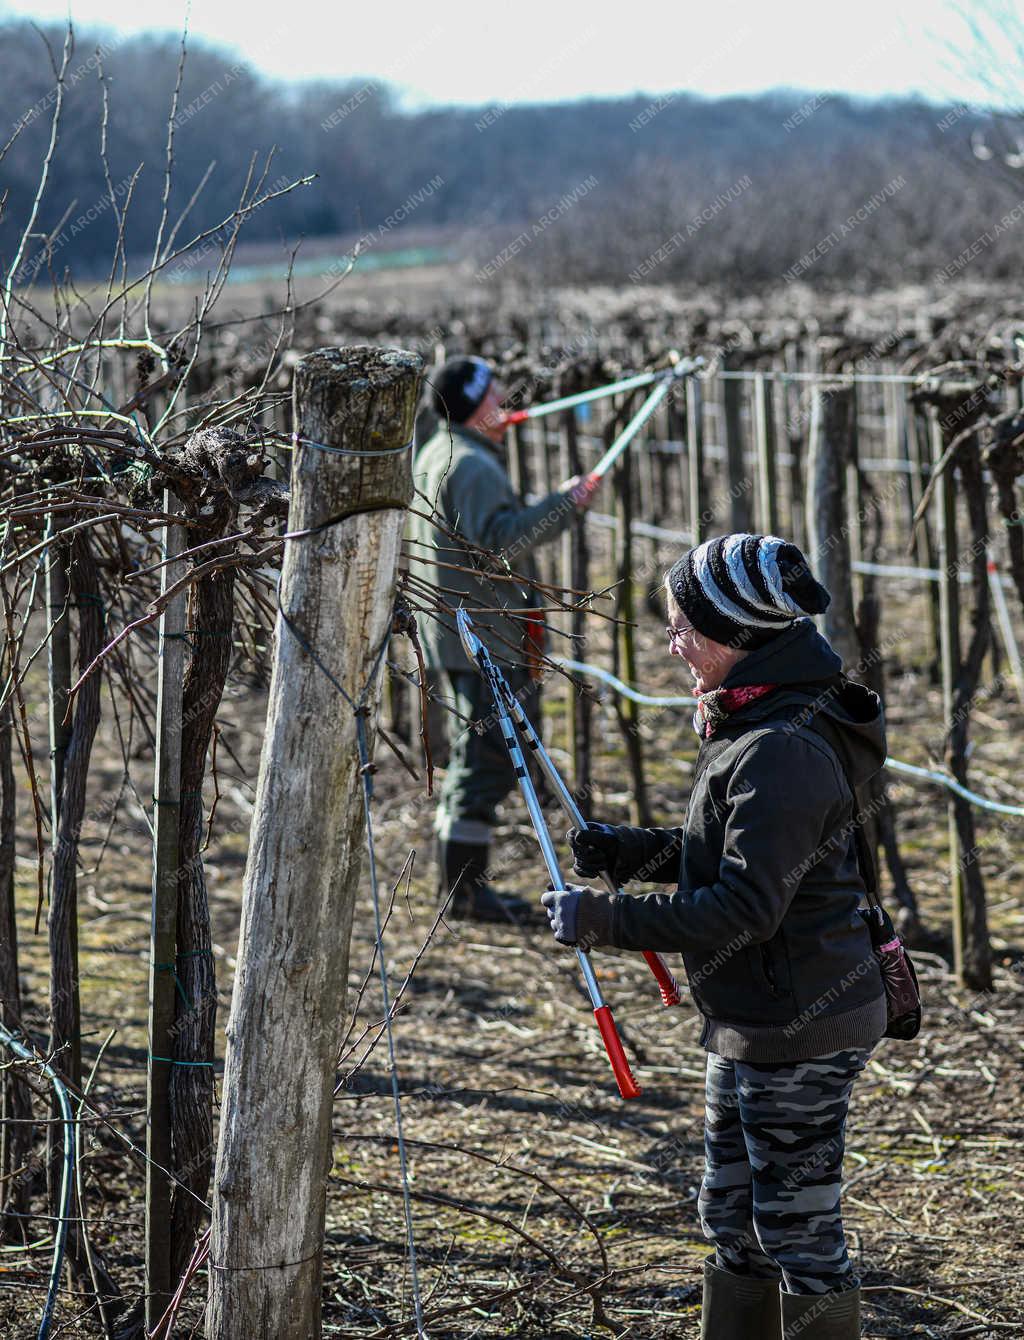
<point x="807" y="670"/>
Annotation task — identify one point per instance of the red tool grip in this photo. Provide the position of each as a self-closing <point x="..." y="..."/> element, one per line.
<point x="669" y="987"/>
<point x="628" y="1086"/>
<point x="517" y="416"/>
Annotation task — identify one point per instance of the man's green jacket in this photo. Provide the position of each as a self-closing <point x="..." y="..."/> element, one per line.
<point x="460" y="475"/>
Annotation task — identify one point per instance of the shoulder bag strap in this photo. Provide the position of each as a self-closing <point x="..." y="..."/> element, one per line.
<point x="865" y="856"/>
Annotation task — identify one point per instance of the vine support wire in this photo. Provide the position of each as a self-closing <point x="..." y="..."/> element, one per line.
<point x="67" y="1179"/>
<point x="932" y="775"/>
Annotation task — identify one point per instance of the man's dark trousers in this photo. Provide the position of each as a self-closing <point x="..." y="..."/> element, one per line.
<point x="480" y="773"/>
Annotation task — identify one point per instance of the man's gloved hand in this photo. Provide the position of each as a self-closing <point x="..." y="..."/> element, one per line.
<point x="580" y="916"/>
<point x="581" y="489"/>
<point x="594" y="850"/>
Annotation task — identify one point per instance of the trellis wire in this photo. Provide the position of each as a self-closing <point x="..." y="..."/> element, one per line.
<point x="66" y="1179"/>
<point x="685" y="700"/>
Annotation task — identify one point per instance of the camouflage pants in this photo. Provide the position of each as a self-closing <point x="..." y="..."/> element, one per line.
<point x="774" y="1136"/>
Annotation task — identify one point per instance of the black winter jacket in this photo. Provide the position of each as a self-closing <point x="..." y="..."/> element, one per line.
<point x="765" y="914"/>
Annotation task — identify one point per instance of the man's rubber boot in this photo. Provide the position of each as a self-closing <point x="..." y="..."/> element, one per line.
<point x="739" y="1307"/>
<point x="463" y="866"/>
<point x="821" y="1316"/>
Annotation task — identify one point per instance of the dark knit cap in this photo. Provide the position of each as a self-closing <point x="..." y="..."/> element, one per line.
<point x="741" y="590"/>
<point x="460" y="386"/>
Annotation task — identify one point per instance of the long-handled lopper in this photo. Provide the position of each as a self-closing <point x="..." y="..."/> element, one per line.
<point x="682" y="367"/>
<point x="478" y="654"/>
<point x="670" y="990"/>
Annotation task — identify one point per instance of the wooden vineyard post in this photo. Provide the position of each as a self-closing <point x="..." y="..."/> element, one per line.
<point x="972" y="954"/>
<point x="672" y="475"/>
<point x="949" y="651"/>
<point x="764" y="425"/>
<point x="696" y="484"/>
<point x="917" y="448"/>
<point x="62" y="920"/>
<point x="545" y="446"/>
<point x="163" y="922"/>
<point x="307" y="841"/>
<point x="855" y="513"/>
<point x="794" y="417"/>
<point x="517" y="466"/>
<point x="576" y="568"/>
<point x="740" y="518"/>
<point x="628" y="711"/>
<point x="828" y="549"/>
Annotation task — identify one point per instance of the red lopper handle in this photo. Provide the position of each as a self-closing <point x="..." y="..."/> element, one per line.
<point x="628" y="1086"/>
<point x="670" y="990"/>
<point x="516" y="416"/>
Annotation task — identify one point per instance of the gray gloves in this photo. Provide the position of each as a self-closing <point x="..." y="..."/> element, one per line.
<point x="595" y="849"/>
<point x="581" y="916"/>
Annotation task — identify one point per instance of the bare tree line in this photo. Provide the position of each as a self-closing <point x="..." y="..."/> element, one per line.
<point x="659" y="171"/>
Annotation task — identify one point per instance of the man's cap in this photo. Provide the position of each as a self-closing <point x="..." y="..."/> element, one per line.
<point x="460" y="386"/>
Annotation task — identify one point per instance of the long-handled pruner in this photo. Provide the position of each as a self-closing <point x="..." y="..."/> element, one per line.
<point x="671" y="993"/>
<point x="478" y="654"/>
<point x="663" y="380"/>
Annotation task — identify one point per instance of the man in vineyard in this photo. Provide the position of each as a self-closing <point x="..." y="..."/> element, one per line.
<point x="478" y="550"/>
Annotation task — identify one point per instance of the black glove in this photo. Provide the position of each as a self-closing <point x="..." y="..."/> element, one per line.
<point x="580" y="916"/>
<point x="595" y="849"/>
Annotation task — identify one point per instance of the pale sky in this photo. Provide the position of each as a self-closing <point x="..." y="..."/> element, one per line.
<point x="545" y="50"/>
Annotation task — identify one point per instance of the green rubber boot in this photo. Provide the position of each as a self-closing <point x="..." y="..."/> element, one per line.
<point x="823" y="1316"/>
<point x="739" y="1307"/>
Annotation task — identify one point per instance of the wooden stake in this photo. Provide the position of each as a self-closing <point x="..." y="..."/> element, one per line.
<point x="949" y="636"/>
<point x="163" y="921"/>
<point x="830" y="449"/>
<point x="628" y="712"/>
<point x="696" y="483"/>
<point x="307" y="842"/>
<point x="737" y="481"/>
<point x="576" y="566"/>
<point x="767" y="483"/>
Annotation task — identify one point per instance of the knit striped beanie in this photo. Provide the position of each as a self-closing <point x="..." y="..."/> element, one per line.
<point x="741" y="590"/>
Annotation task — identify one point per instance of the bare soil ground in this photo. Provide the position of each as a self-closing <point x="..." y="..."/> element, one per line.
<point x="543" y="1205"/>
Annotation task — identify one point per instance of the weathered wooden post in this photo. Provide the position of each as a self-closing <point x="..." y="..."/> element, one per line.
<point x="972" y="952"/>
<point x="793" y="402"/>
<point x="740" y="517"/>
<point x="518" y="462"/>
<point x="62" y="919"/>
<point x="918" y="457"/>
<point x="337" y="590"/>
<point x="767" y="482"/>
<point x="829" y="451"/>
<point x="625" y="658"/>
<point x="696" y="483"/>
<point x="576" y="567"/>
<point x="163" y="922"/>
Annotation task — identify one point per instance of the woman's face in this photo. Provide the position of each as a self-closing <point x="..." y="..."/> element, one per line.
<point x="709" y="661"/>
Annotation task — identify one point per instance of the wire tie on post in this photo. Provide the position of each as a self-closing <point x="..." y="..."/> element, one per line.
<point x="171" y="1061"/>
<point x="350" y="451"/>
<point x="170" y="967"/>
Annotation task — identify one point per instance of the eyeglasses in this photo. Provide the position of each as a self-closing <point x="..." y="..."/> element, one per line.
<point x="675" y="633"/>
